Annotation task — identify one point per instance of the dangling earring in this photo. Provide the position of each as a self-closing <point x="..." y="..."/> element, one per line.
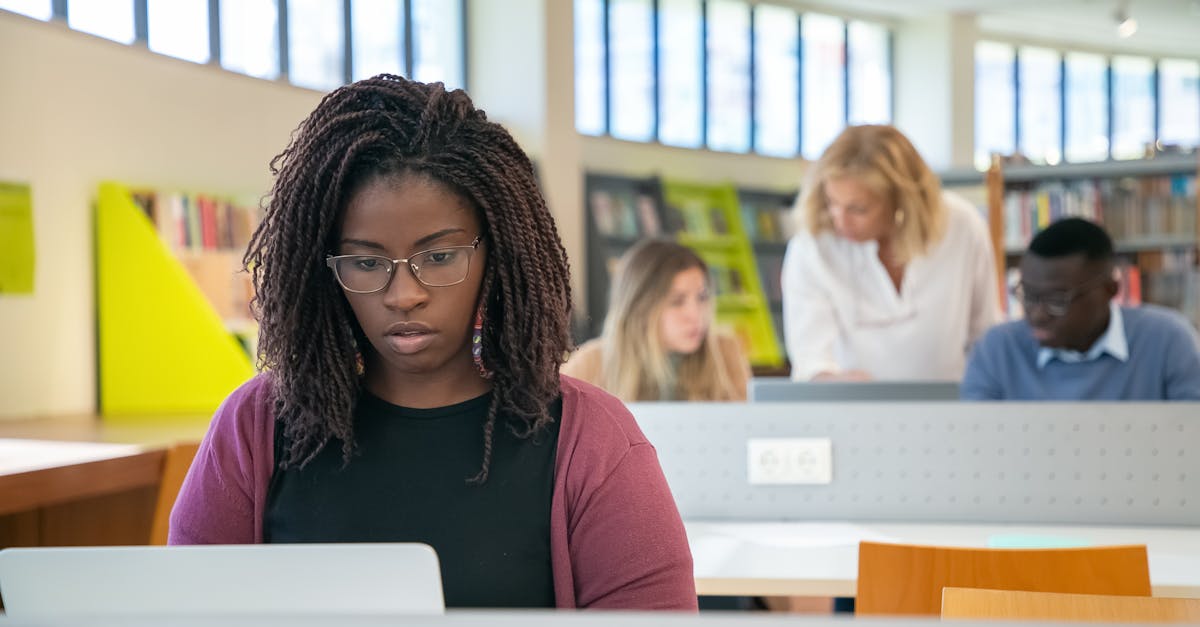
<point x="899" y="217"/>
<point x="477" y="345"/>
<point x="360" y="365"/>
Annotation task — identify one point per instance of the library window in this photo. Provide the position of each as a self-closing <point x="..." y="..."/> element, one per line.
<point x="250" y="37"/>
<point x="318" y="55"/>
<point x="377" y="26"/>
<point x="777" y="84"/>
<point x="178" y="28"/>
<point x="870" y="73"/>
<point x="631" y="69"/>
<point x="728" y="75"/>
<point x="315" y="46"/>
<point x="38" y="9"/>
<point x="824" y="90"/>
<point x="1039" y="89"/>
<point x="110" y="19"/>
<point x="438" y="42"/>
<point x="1132" y="106"/>
<point x="1179" y="102"/>
<point x="995" y="101"/>
<point x="590" y="97"/>
<point x="1086" y="107"/>
<point x="680" y="73"/>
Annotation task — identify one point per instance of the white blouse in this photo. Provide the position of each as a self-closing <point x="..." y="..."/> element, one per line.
<point x="841" y="310"/>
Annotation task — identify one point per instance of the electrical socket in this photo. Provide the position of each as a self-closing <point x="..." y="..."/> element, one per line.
<point x="789" y="461"/>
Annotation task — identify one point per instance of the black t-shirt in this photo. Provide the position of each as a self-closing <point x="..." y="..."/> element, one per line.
<point x="407" y="482"/>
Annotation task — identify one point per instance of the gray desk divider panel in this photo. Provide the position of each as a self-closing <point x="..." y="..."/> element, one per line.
<point x="1094" y="463"/>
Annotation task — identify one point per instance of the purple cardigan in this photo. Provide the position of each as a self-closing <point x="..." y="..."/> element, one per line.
<point x="616" y="539"/>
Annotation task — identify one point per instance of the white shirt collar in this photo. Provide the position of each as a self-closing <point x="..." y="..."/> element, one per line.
<point x="1113" y="341"/>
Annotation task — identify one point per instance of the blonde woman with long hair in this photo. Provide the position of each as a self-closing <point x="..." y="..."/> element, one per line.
<point x="889" y="276"/>
<point x="659" y="342"/>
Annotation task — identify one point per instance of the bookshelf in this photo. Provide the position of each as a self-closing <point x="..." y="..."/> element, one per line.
<point x="1149" y="207"/>
<point x="711" y="219"/>
<point x="167" y="296"/>
<point x="621" y="211"/>
<point x="767" y="220"/>
<point x="209" y="234"/>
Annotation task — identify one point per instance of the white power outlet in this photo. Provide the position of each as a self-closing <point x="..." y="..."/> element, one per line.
<point x="783" y="461"/>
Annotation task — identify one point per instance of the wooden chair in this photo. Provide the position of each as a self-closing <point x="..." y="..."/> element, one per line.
<point x="1056" y="606"/>
<point x="175" y="467"/>
<point x="899" y="579"/>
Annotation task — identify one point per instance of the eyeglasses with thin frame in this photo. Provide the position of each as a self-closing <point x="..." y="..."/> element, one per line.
<point x="1056" y="302"/>
<point x="436" y="267"/>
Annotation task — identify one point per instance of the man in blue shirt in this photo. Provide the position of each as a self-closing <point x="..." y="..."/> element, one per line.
<point x="1075" y="343"/>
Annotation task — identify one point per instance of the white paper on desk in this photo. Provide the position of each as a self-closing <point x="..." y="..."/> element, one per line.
<point x="800" y="534"/>
<point x="26" y="455"/>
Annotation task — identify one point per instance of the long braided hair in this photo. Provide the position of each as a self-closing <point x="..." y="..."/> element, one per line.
<point x="309" y="338"/>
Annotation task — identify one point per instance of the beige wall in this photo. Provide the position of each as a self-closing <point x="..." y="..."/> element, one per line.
<point x="76" y="110"/>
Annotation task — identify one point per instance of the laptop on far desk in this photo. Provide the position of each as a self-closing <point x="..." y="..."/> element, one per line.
<point x="783" y="390"/>
<point x="252" y="579"/>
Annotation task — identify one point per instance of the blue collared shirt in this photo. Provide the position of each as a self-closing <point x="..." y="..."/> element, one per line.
<point x="1114" y="342"/>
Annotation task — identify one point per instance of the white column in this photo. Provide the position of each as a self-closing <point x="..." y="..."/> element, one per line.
<point x="522" y="72"/>
<point x="935" y="87"/>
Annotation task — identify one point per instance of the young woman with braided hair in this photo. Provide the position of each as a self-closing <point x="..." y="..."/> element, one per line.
<point x="413" y="298"/>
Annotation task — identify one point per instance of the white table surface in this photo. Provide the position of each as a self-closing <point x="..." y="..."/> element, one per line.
<point x="19" y="455"/>
<point x="821" y="558"/>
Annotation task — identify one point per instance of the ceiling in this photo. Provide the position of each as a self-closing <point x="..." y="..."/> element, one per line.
<point x="1165" y="27"/>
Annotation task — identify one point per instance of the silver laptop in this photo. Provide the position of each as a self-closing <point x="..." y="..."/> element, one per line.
<point x="330" y="579"/>
<point x="780" y="389"/>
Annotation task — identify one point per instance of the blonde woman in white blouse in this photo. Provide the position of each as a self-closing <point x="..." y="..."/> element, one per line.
<point x="889" y="277"/>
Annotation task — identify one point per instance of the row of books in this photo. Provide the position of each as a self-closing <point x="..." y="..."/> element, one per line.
<point x="1130" y="209"/>
<point x="625" y="213"/>
<point x="1176" y="283"/>
<point x="1177" y="289"/>
<point x="768" y="225"/>
<point x="633" y="214"/>
<point x="199" y="221"/>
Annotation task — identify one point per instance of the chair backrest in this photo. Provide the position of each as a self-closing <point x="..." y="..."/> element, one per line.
<point x="900" y="579"/>
<point x="329" y="579"/>
<point x="959" y="603"/>
<point x="175" y="467"/>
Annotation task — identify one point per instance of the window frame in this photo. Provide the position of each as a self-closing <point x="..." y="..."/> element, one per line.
<point x="60" y="10"/>
<point x="1155" y="62"/>
<point x="754" y="67"/>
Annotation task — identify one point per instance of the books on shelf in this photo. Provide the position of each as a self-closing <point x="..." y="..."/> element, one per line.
<point x="767" y="217"/>
<point x="198" y="221"/>
<point x="627" y="213"/>
<point x="208" y="234"/>
<point x="1137" y="212"/>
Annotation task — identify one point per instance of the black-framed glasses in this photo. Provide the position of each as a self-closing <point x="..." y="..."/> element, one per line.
<point x="1056" y="302"/>
<point x="436" y="267"/>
